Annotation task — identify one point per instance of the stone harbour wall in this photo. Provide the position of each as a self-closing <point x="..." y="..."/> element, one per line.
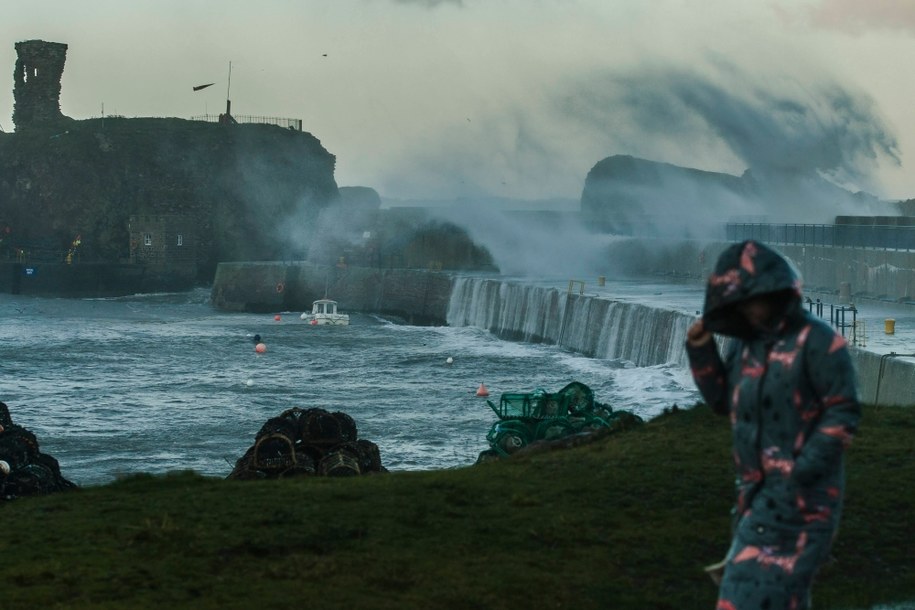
<point x="417" y="296"/>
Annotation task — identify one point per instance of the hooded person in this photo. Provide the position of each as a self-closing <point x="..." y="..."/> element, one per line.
<point x="789" y="388"/>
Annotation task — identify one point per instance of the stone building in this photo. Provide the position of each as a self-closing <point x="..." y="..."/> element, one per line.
<point x="36" y="77"/>
<point x="165" y="243"/>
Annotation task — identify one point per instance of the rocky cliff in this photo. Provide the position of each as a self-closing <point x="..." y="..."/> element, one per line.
<point x="631" y="196"/>
<point x="243" y="191"/>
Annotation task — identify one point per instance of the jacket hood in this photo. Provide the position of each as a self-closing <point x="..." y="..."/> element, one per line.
<point x="745" y="271"/>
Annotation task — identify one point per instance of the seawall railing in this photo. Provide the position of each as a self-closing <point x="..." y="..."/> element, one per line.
<point x="879" y="237"/>
<point x="294" y="124"/>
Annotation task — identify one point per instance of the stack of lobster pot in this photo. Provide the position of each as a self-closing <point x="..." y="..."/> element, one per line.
<point x="308" y="442"/>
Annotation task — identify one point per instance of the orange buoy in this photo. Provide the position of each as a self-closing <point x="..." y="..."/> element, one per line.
<point x="482" y="391"/>
<point x="277" y="317"/>
<point x="260" y="348"/>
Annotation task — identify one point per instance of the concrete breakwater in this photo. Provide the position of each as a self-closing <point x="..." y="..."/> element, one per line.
<point x="885" y="380"/>
<point x="594" y="326"/>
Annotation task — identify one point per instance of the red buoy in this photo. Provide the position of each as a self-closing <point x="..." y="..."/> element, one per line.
<point x="482" y="391"/>
<point x="260" y="348"/>
<point x="277" y="317"/>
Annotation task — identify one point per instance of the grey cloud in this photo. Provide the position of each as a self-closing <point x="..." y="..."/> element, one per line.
<point x="772" y="126"/>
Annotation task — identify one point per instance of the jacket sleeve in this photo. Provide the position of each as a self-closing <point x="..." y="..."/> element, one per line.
<point x="833" y="379"/>
<point x="708" y="372"/>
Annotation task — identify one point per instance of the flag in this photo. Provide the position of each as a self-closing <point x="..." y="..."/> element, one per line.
<point x="199" y="87"/>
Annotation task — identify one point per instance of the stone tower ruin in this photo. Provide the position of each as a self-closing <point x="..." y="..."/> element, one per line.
<point x="36" y="90"/>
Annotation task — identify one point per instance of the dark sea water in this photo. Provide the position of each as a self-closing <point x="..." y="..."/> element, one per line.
<point x="154" y="383"/>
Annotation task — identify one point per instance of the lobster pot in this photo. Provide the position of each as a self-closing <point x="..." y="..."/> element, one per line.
<point x="366" y="453"/>
<point x="274" y="452"/>
<point x="304" y="465"/>
<point x="307" y="442"/>
<point x="554" y="428"/>
<point x="278" y="425"/>
<point x="339" y="463"/>
<point x="318" y="427"/>
<point x="314" y="452"/>
<point x="511" y="442"/>
<point x="347" y="427"/>
<point x="243" y="466"/>
<point x="293" y="414"/>
<point x="369" y="456"/>
<point x="31" y="479"/>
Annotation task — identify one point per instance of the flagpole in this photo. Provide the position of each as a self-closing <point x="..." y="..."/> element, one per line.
<point x="229" y="86"/>
<point x="228" y="98"/>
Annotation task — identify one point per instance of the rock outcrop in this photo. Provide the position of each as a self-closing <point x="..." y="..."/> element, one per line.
<point x="233" y="192"/>
<point x="24" y="469"/>
<point x="631" y="196"/>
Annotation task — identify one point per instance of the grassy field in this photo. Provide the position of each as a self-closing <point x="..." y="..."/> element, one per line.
<point x="627" y="521"/>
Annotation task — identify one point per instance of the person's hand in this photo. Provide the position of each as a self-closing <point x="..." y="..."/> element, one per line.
<point x="696" y="335"/>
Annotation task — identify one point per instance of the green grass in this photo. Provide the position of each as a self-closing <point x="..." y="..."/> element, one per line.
<point x="625" y="522"/>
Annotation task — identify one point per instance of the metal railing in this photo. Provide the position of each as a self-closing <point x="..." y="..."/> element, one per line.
<point x="294" y="124"/>
<point x="844" y="318"/>
<point x="882" y="237"/>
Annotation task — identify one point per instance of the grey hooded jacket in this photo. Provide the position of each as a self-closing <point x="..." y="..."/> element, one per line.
<point x="789" y="389"/>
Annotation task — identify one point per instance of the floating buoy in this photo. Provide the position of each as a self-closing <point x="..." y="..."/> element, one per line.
<point x="314" y="322"/>
<point x="260" y="348"/>
<point x="249" y="383"/>
<point x="277" y="317"/>
<point x="450" y="360"/>
<point x="482" y="391"/>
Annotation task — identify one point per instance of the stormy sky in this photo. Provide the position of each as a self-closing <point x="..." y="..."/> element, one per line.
<point x="511" y="98"/>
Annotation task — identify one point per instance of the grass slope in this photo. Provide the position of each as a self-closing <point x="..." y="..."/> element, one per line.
<point x="624" y="522"/>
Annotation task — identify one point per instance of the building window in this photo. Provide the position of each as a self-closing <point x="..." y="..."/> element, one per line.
<point x="180" y="239"/>
<point x="147" y="239"/>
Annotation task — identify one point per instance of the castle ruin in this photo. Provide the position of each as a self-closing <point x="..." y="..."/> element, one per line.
<point x="36" y="91"/>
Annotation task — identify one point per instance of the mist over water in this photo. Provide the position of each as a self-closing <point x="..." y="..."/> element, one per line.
<point x="789" y="145"/>
<point x="533" y="247"/>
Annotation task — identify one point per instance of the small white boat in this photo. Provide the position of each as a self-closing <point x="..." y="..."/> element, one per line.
<point x="324" y="311"/>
